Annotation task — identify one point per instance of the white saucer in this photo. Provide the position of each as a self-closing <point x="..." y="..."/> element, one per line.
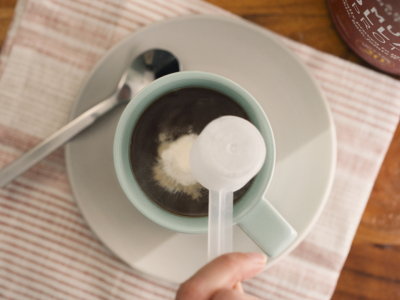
<point x="249" y="55"/>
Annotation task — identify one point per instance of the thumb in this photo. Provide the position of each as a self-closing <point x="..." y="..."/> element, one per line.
<point x="221" y="273"/>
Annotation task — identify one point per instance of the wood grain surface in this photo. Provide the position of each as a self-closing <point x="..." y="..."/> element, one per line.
<point x="372" y="269"/>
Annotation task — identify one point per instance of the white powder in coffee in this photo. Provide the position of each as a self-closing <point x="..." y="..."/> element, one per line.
<point x="172" y="170"/>
<point x="175" y="160"/>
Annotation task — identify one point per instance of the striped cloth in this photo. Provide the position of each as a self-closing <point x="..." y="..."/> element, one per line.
<point x="47" y="251"/>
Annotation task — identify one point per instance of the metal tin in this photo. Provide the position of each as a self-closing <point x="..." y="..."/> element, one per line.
<point x="371" y="28"/>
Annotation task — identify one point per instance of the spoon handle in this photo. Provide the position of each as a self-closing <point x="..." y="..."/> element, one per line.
<point x="54" y="141"/>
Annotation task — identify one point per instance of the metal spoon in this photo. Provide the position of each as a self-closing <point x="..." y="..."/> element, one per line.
<point x="144" y="69"/>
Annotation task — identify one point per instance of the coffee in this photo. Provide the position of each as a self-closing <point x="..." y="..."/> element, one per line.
<point x="161" y="141"/>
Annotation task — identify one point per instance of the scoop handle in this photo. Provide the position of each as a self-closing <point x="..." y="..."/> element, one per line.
<point x="220" y="213"/>
<point x="268" y="229"/>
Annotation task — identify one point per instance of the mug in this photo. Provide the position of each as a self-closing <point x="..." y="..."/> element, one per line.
<point x="253" y="213"/>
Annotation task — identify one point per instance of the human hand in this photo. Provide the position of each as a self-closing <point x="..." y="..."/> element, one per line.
<point x="220" y="279"/>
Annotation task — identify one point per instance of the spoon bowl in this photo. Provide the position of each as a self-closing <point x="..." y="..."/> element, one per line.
<point x="146" y="68"/>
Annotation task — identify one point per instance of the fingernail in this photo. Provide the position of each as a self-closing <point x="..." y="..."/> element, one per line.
<point x="257" y="258"/>
<point x="238" y="287"/>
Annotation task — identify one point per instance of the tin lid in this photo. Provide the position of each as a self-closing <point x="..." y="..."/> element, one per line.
<point x="371" y="28"/>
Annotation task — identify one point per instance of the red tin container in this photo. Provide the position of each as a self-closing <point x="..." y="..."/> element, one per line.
<point x="371" y="28"/>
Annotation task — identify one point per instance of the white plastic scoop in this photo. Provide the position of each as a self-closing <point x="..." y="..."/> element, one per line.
<point x="225" y="156"/>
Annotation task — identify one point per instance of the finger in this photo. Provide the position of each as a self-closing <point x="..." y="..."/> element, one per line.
<point x="221" y="273"/>
<point x="232" y="295"/>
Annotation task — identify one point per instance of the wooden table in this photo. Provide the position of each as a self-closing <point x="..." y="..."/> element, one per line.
<point x="372" y="269"/>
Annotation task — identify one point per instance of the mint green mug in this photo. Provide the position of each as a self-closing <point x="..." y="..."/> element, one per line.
<point x="253" y="213"/>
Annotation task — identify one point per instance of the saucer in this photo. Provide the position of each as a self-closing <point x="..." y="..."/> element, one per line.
<point x="254" y="58"/>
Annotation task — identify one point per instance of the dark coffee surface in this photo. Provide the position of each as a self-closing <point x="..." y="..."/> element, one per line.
<point x="176" y="114"/>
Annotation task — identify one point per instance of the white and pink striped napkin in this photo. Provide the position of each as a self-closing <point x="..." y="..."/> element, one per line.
<point x="46" y="249"/>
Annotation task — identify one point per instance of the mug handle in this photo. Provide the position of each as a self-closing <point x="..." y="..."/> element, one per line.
<point x="267" y="228"/>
